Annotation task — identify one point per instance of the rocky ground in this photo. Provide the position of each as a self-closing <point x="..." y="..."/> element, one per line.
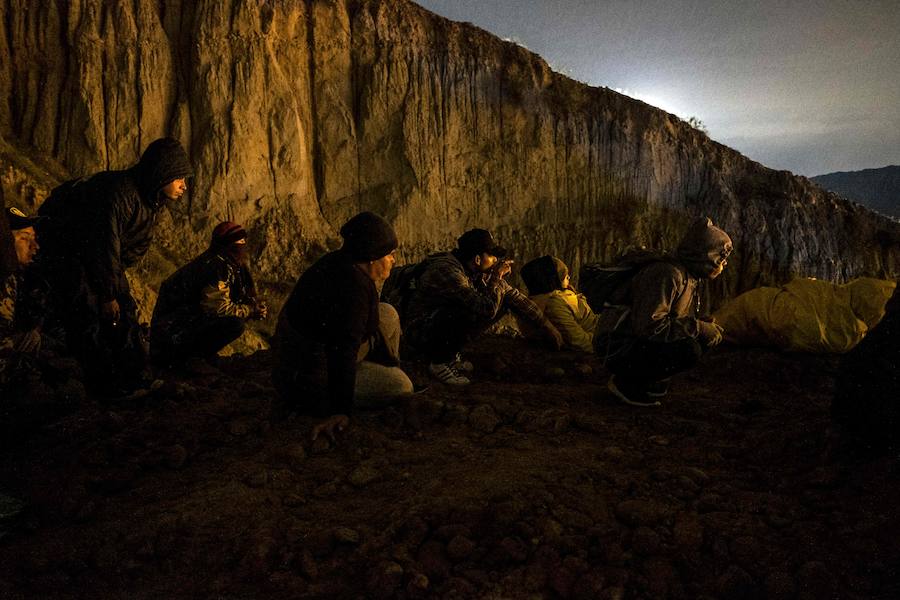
<point x="531" y="483"/>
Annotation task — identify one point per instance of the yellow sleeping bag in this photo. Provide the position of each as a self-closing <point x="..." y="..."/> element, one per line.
<point x="806" y="315"/>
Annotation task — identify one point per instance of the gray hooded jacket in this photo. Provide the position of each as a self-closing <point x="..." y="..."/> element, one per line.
<point x="661" y="301"/>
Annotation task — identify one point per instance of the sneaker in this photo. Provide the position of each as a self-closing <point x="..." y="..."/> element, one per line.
<point x="630" y="395"/>
<point x="462" y="365"/>
<point x="446" y="373"/>
<point x="658" y="389"/>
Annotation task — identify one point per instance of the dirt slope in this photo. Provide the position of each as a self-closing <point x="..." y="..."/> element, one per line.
<point x="531" y="483"/>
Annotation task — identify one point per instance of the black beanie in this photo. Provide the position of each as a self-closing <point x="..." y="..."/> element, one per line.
<point x="368" y="236"/>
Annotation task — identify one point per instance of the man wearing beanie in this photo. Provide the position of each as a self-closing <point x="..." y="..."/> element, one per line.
<point x="203" y="306"/>
<point x="654" y="328"/>
<point x="459" y="294"/>
<point x="95" y="230"/>
<point x="336" y="347"/>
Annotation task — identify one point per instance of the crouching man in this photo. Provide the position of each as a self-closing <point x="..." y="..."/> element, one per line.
<point x="336" y="346"/>
<point x="204" y="305"/>
<point x="654" y="327"/>
<point x="35" y="381"/>
<point x="15" y="339"/>
<point x="458" y="295"/>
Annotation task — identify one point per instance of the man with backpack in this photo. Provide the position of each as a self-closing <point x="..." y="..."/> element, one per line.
<point x="95" y="230"/>
<point x="650" y="326"/>
<point x="459" y="294"/>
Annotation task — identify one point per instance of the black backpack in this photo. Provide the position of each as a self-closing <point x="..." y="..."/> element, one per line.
<point x="599" y="283"/>
<point x="399" y="286"/>
<point x="62" y="207"/>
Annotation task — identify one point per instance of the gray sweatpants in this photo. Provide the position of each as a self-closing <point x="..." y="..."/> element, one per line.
<point x="378" y="385"/>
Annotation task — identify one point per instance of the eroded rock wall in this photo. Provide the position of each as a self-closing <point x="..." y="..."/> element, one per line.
<point x="297" y="114"/>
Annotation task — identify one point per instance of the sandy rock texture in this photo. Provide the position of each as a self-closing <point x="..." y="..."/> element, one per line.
<point x="297" y="114"/>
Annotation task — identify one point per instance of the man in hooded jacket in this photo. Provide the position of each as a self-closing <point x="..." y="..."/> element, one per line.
<point x="95" y="230"/>
<point x="654" y="328"/>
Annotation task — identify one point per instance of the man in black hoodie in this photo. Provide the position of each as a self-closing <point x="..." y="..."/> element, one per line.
<point x="96" y="229"/>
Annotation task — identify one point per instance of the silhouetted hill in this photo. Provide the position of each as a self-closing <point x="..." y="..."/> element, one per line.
<point x="878" y="189"/>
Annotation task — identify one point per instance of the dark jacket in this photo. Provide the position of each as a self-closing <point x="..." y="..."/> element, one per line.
<point x="211" y="285"/>
<point x="107" y="221"/>
<point x="331" y="311"/>
<point x="445" y="283"/>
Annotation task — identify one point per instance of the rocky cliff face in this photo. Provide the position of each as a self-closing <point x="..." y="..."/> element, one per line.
<point x="297" y="114"/>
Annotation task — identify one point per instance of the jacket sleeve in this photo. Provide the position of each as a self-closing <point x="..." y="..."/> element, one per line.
<point x="104" y="263"/>
<point x="656" y="289"/>
<point x="563" y="318"/>
<point x="454" y="286"/>
<point x="7" y="312"/>
<point x="522" y="305"/>
<point x="216" y="302"/>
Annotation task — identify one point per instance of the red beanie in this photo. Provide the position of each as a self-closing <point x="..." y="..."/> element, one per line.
<point x="227" y="233"/>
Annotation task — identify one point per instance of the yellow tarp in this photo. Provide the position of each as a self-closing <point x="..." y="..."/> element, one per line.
<point x="806" y="315"/>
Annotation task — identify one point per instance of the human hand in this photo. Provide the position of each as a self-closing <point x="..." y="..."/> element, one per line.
<point x="110" y="311"/>
<point x="330" y="426"/>
<point x="711" y="333"/>
<point x="503" y="268"/>
<point x="260" y="310"/>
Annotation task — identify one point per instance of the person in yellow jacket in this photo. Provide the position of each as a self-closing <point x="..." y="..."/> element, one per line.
<point x="547" y="279"/>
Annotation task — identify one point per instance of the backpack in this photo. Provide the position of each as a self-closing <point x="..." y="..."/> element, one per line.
<point x="399" y="286"/>
<point x="63" y="206"/>
<point x="599" y="283"/>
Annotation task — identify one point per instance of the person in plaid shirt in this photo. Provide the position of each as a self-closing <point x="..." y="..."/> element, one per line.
<point x="458" y="295"/>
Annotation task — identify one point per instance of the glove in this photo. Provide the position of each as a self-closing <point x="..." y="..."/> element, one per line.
<point x="710" y="334"/>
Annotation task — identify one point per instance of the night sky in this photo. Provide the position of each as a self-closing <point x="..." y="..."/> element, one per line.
<point x="811" y="87"/>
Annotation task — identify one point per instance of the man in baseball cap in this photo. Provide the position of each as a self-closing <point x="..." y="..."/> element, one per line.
<point x="17" y="335"/>
<point x="458" y="295"/>
<point x="22" y="228"/>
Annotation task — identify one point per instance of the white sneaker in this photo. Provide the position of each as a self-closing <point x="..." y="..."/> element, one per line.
<point x="462" y="365"/>
<point x="446" y="373"/>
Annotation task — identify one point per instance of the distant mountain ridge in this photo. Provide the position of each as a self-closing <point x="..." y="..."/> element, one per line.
<point x="878" y="189"/>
